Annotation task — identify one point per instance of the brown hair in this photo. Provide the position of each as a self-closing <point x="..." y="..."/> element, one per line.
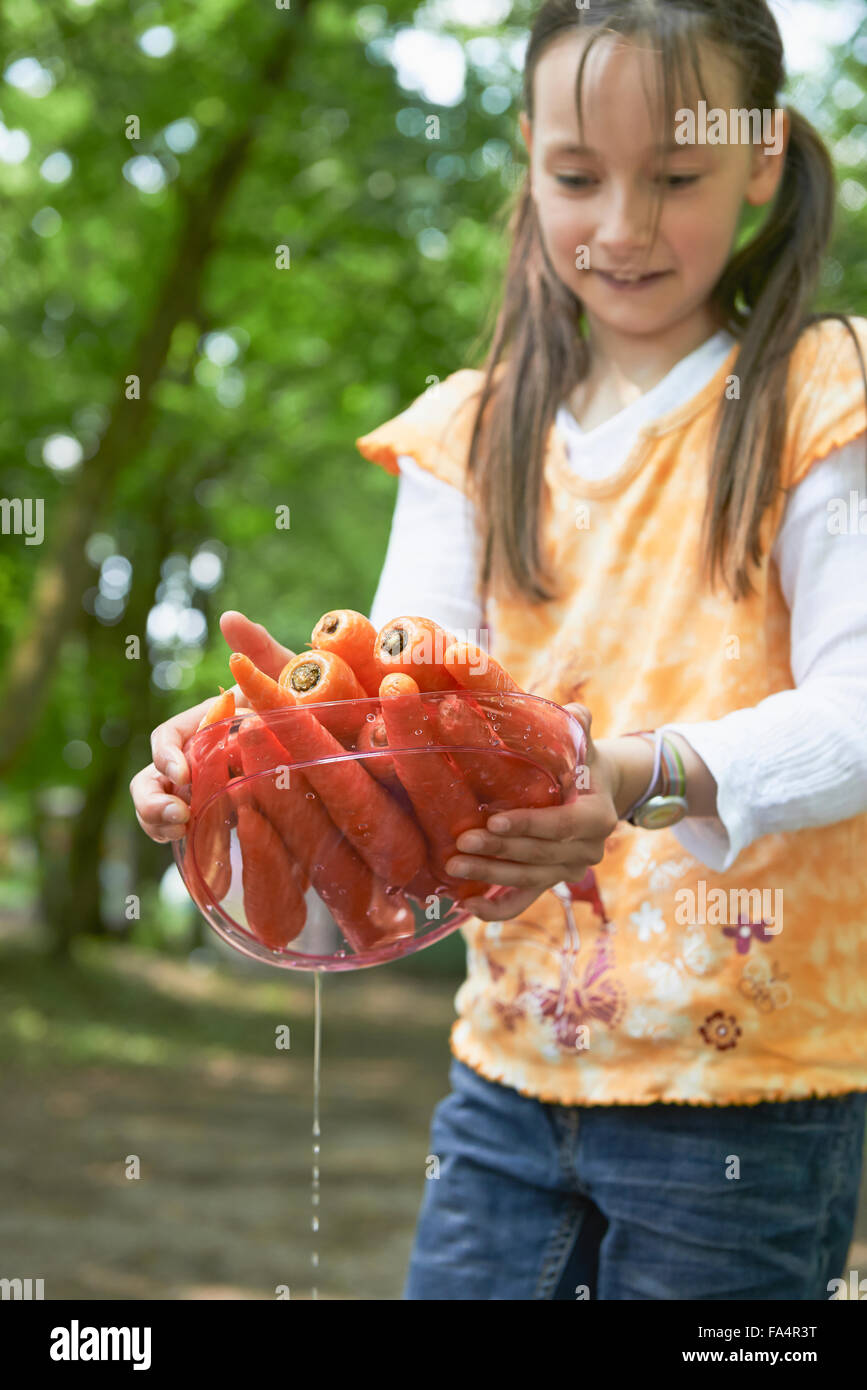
<point x="762" y="298"/>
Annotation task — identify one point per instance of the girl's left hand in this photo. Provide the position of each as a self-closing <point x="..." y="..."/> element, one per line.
<point x="531" y="850"/>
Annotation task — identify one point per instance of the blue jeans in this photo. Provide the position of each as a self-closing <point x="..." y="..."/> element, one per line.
<point x="661" y="1201"/>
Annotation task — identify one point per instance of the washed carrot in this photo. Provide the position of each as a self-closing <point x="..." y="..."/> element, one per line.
<point x="443" y="802"/>
<point x="223" y="707"/>
<point x="320" y="675"/>
<point x="273" y="901"/>
<point x="500" y="777"/>
<point x="366" y="915"/>
<point x="317" y="677"/>
<point x="474" y="669"/>
<point x="530" y="724"/>
<point x="208" y="859"/>
<point x="373" y="737"/>
<point x="382" y="832"/>
<point x="234" y="753"/>
<point x="353" y="637"/>
<point x="263" y="693"/>
<point x="415" y="647"/>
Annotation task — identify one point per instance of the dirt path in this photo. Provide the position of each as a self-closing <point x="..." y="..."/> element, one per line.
<point x="221" y="1123"/>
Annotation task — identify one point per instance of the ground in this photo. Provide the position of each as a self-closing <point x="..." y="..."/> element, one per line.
<point x="128" y="1054"/>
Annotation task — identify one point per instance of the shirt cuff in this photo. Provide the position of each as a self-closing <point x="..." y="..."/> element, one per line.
<point x="716" y="841"/>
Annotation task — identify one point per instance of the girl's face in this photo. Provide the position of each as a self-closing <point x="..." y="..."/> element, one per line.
<point x="599" y="194"/>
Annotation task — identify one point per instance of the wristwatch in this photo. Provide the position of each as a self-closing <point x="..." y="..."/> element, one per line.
<point x="657" y="810"/>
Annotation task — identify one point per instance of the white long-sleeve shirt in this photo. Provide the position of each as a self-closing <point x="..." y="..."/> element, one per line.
<point x="796" y="759"/>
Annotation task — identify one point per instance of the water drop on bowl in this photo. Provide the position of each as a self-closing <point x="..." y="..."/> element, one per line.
<point x="311" y="796"/>
<point x="371" y="718"/>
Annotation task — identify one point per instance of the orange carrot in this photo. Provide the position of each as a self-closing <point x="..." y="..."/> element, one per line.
<point x="273" y="901"/>
<point x="500" y="777"/>
<point x="353" y="637"/>
<point x="367" y="916"/>
<point x="530" y="724"/>
<point x="444" y="805"/>
<point x="373" y="737"/>
<point x="210" y="824"/>
<point x="384" y="835"/>
<point x="415" y="647"/>
<point x="314" y="677"/>
<point x="475" y="669"/>
<point x="263" y="693"/>
<point x="223" y="707"/>
<point x="234" y="753"/>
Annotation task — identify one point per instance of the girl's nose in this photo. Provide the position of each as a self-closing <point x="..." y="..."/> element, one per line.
<point x="624" y="226"/>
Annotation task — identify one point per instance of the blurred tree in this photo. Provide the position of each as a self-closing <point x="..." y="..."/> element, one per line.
<point x="155" y="250"/>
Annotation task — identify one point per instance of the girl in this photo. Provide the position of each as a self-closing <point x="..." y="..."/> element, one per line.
<point x="646" y="496"/>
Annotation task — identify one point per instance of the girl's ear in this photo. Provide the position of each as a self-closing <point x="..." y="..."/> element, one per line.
<point x="769" y="160"/>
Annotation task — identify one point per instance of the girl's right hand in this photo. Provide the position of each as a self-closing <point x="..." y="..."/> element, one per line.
<point x="160" y="792"/>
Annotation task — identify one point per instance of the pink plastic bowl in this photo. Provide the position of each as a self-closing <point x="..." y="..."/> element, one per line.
<point x="352" y="918"/>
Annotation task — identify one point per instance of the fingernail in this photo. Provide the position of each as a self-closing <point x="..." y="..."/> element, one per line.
<point x="471" y="842"/>
<point x="498" y="823"/>
<point x="175" y="771"/>
<point x="455" y="867"/>
<point x="175" y="813"/>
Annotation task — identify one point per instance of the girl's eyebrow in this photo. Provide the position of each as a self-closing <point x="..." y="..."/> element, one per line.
<point x="569" y="147"/>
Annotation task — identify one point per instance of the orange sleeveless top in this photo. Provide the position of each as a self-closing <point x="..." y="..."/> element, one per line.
<point x="644" y="992"/>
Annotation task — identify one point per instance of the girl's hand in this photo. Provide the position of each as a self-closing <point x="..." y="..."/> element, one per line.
<point x="160" y="792"/>
<point x="542" y="846"/>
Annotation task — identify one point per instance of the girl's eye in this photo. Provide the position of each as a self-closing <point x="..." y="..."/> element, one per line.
<point x="574" y="180"/>
<point x="680" y="180"/>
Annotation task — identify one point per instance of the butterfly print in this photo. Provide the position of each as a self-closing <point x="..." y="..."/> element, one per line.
<point x="594" y="999"/>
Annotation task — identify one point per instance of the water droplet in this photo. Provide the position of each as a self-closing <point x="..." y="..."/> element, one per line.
<point x="483" y="805"/>
<point x="316" y="1258"/>
<point x="315" y="1223"/>
<point x="416" y="731"/>
<point x="311" y="796"/>
<point x="341" y="954"/>
<point x="316" y="1148"/>
<point x="316" y="1199"/>
<point x="371" y="718"/>
<point x="392" y="888"/>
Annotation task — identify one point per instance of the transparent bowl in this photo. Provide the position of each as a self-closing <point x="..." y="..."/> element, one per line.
<point x="335" y="862"/>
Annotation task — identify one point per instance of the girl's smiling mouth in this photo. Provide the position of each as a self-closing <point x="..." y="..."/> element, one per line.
<point x="636" y="282"/>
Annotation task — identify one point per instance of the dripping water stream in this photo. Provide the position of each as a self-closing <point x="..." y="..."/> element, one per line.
<point x="314" y="1191"/>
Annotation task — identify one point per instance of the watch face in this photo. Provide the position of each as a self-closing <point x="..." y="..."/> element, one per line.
<point x="661" y="812"/>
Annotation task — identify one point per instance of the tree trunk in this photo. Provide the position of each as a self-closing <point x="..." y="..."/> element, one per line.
<point x="63" y="576"/>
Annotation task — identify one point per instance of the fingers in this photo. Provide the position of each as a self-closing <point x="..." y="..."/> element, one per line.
<point x="589" y="817"/>
<point x="525" y="849"/>
<point x="582" y="714"/>
<point x="168" y="739"/>
<point x="503" y="907"/>
<point x="161" y="816"/>
<point x="504" y="871"/>
<point x="255" y="641"/>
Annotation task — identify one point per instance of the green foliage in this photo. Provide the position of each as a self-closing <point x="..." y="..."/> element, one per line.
<point x="339" y="169"/>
